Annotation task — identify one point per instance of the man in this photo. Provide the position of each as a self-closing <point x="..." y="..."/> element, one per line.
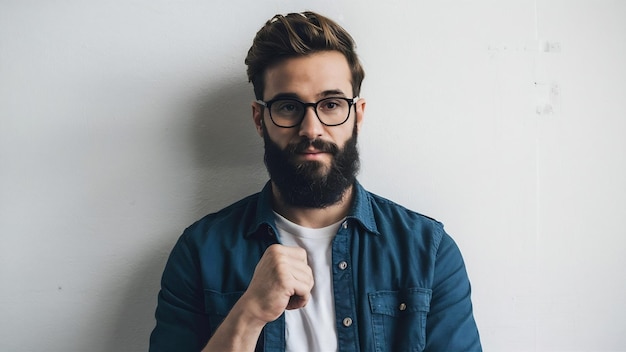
<point x="313" y="262"/>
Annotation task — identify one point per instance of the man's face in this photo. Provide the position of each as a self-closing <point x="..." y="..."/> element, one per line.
<point x="311" y="164"/>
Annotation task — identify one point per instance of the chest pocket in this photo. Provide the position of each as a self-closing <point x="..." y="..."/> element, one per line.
<point x="399" y="319"/>
<point x="217" y="305"/>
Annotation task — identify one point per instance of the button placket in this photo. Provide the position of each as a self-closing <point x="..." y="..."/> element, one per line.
<point x="347" y="334"/>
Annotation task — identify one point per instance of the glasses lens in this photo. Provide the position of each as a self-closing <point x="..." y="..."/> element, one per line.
<point x="333" y="111"/>
<point x="287" y="112"/>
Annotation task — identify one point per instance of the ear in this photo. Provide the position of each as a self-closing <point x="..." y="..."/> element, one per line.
<point x="360" y="113"/>
<point x="257" y="117"/>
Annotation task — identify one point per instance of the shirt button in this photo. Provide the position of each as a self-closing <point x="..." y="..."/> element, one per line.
<point x="347" y="322"/>
<point x="402" y="306"/>
<point x="343" y="265"/>
<point x="345" y="224"/>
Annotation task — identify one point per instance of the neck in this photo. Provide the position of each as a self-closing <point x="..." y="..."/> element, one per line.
<point x="313" y="217"/>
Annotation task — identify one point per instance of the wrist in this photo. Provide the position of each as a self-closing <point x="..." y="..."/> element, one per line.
<point x="249" y="314"/>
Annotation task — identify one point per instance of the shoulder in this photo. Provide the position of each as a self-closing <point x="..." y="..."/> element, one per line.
<point x="387" y="205"/>
<point x="382" y="206"/>
<point x="396" y="220"/>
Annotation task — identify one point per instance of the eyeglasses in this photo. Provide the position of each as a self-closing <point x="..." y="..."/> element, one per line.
<point x="289" y="112"/>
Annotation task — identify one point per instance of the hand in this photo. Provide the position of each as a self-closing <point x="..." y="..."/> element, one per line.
<point x="282" y="280"/>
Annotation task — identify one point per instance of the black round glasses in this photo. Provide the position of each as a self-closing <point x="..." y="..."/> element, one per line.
<point x="289" y="112"/>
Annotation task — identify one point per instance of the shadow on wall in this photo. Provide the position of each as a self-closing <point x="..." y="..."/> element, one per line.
<point x="227" y="164"/>
<point x="228" y="153"/>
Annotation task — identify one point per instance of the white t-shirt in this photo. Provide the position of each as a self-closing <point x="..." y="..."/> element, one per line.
<point x="312" y="328"/>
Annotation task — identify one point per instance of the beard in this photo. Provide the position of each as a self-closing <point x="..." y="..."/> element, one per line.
<point x="312" y="184"/>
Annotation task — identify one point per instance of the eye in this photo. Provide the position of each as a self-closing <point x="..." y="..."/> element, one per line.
<point x="332" y="104"/>
<point x="286" y="106"/>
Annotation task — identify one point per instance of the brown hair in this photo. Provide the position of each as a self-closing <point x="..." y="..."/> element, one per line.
<point x="299" y="34"/>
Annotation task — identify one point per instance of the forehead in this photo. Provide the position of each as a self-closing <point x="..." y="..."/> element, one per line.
<point x="309" y="77"/>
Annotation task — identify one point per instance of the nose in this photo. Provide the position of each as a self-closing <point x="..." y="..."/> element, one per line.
<point x="311" y="127"/>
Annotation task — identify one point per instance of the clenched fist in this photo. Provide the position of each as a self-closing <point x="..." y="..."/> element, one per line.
<point x="282" y="280"/>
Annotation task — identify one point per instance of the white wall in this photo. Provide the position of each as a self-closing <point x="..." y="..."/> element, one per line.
<point x="121" y="122"/>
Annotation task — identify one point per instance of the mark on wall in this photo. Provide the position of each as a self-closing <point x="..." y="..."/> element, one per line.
<point x="548" y="98"/>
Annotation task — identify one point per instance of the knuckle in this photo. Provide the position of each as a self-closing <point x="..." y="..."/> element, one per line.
<point x="275" y="248"/>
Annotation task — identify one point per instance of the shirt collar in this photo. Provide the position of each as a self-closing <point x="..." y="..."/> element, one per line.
<point x="361" y="211"/>
<point x="264" y="217"/>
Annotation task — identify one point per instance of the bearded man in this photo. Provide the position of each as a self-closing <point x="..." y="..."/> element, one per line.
<point x="313" y="262"/>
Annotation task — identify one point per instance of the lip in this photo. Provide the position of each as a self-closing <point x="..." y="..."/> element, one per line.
<point x="312" y="154"/>
<point x="312" y="150"/>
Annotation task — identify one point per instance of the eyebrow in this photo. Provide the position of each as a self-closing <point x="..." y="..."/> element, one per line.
<point x="324" y="94"/>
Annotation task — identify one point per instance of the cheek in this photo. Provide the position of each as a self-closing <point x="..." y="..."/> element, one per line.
<point x="341" y="138"/>
<point x="282" y="137"/>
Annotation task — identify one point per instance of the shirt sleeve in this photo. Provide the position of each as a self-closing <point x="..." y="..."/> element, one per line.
<point x="450" y="325"/>
<point x="181" y="324"/>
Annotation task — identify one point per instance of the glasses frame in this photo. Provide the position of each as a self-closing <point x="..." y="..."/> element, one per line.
<point x="268" y="105"/>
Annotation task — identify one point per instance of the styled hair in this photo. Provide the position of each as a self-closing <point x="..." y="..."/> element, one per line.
<point x="295" y="35"/>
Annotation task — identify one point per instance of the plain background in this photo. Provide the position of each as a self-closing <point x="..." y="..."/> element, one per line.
<point x="122" y="122"/>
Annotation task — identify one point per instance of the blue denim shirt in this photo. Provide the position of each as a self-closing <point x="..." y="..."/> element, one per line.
<point x="399" y="280"/>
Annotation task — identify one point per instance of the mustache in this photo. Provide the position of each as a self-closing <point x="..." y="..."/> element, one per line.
<point x="304" y="144"/>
